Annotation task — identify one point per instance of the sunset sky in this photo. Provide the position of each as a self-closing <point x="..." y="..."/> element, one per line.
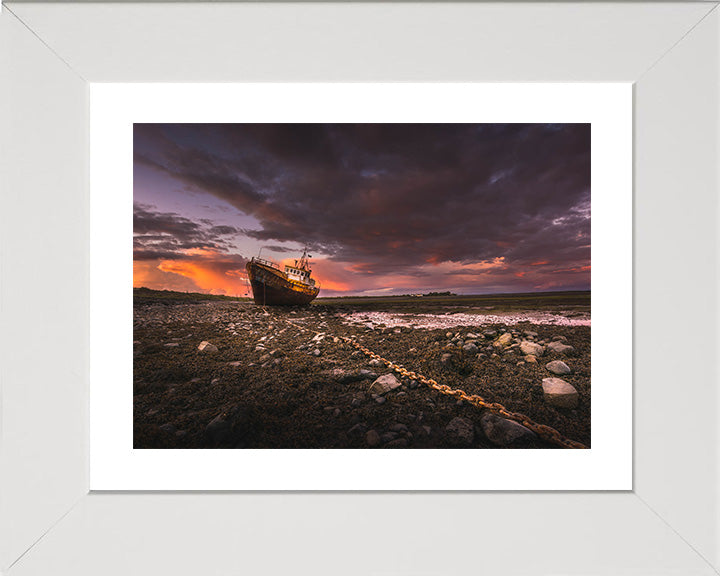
<point x="383" y="208"/>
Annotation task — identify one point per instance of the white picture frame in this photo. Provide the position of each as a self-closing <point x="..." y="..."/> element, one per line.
<point x="49" y="523"/>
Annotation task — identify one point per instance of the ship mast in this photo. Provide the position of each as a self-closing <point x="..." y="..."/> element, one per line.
<point x="304" y="262"/>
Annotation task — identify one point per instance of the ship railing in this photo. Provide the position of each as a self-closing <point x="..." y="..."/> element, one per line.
<point x="265" y="262"/>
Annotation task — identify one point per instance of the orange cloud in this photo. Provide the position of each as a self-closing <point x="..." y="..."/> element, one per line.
<point x="332" y="276"/>
<point x="213" y="276"/>
<point x="576" y="269"/>
<point x="199" y="270"/>
<point x="146" y="273"/>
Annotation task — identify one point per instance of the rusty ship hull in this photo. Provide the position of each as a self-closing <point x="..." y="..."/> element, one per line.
<point x="271" y="287"/>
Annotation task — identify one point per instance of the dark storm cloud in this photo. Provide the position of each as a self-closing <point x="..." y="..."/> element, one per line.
<point x="280" y="249"/>
<point x="165" y="235"/>
<point x="394" y="194"/>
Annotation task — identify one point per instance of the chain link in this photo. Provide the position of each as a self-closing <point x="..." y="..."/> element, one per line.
<point x="545" y="432"/>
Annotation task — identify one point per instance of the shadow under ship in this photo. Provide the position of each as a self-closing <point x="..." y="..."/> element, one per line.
<point x="273" y="287"/>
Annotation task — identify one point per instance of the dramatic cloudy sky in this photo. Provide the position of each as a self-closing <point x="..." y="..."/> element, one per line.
<point x="384" y="208"/>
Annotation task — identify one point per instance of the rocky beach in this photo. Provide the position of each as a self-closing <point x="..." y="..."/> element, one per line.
<point x="230" y="374"/>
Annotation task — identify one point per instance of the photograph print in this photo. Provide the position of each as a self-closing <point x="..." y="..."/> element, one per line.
<point x="361" y="286"/>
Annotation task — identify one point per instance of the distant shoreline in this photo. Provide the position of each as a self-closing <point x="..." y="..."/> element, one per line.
<point x="482" y="303"/>
<point x="144" y="292"/>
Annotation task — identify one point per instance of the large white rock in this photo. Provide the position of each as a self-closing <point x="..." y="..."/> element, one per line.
<point x="558" y="367"/>
<point x="503" y="340"/>
<point x="384" y="384"/>
<point x="503" y="432"/>
<point x="559" y="347"/>
<point x="531" y="348"/>
<point x="559" y="393"/>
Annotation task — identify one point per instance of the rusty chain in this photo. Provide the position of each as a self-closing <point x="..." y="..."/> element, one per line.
<point x="545" y="432"/>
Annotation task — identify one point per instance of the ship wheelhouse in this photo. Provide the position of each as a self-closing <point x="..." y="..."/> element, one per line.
<point x="299" y="274"/>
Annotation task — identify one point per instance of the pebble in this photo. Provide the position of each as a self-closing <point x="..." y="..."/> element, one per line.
<point x="172" y="345"/>
<point x="375" y="362"/>
<point x="531" y="348"/>
<point x="530" y="359"/>
<point x="316" y="352"/>
<point x="503" y="340"/>
<point x="460" y="432"/>
<point x="388" y="437"/>
<point x="470" y="349"/>
<point x="347" y="376"/>
<point x="559" y="347"/>
<point x="503" y="432"/>
<point x="558" y="367"/>
<point x="381" y="399"/>
<point x="372" y="438"/>
<point x="207" y="347"/>
<point x="384" y="384"/>
<point x="559" y="393"/>
<point x="446" y="358"/>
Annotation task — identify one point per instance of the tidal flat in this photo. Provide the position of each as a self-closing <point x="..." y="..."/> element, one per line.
<point x="225" y="373"/>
